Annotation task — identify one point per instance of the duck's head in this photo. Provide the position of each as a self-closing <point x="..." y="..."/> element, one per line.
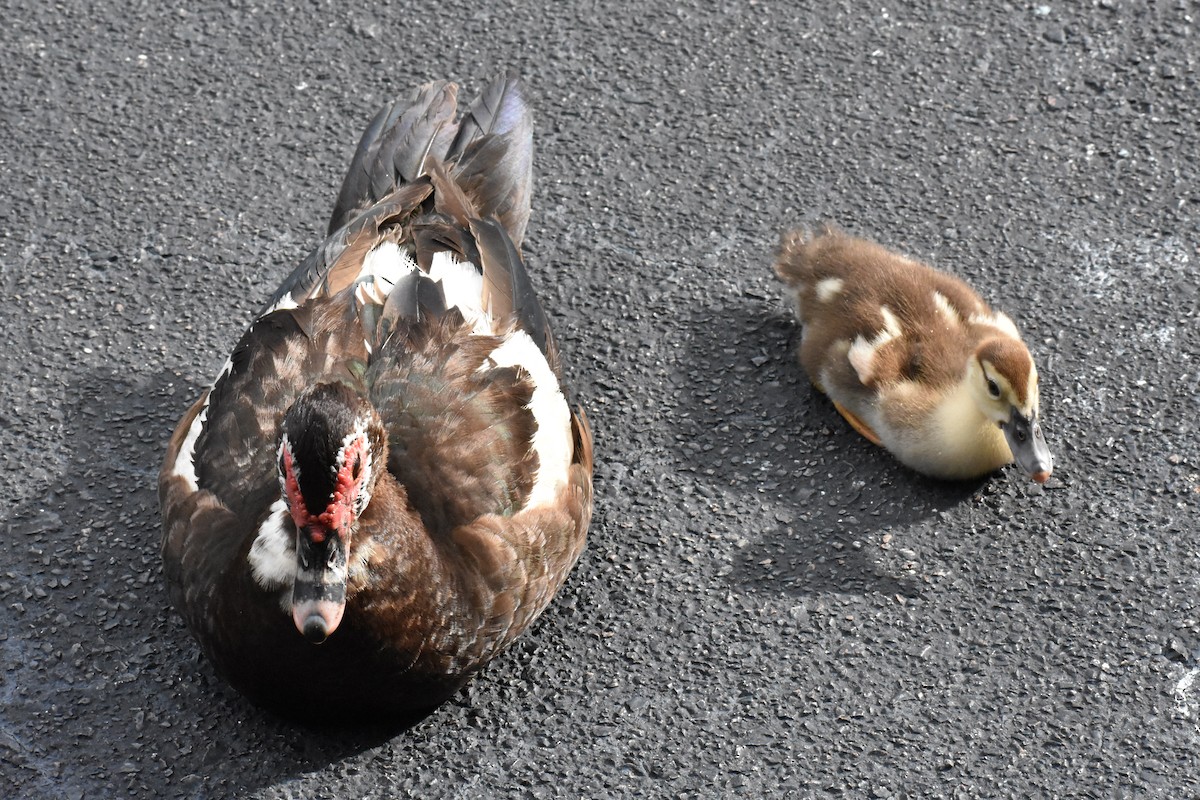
<point x="331" y="452"/>
<point x="1004" y="382"/>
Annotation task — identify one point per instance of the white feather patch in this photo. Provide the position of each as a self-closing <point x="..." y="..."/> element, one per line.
<point x="829" y="288"/>
<point x="185" y="461"/>
<point x="999" y="321"/>
<point x="381" y="269"/>
<point x="552" y="441"/>
<point x="462" y="284"/>
<point x="943" y="305"/>
<point x="285" y="302"/>
<point x="862" y="352"/>
<point x="273" y="555"/>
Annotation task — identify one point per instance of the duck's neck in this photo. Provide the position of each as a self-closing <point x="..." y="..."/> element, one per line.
<point x="438" y="593"/>
<point x="969" y="443"/>
<point x="392" y="548"/>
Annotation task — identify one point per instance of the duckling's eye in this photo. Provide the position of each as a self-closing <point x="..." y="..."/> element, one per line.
<point x="993" y="388"/>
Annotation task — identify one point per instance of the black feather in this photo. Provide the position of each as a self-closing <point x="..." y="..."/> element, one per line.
<point x="316" y="425"/>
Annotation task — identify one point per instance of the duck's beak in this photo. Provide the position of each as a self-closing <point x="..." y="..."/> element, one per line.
<point x="319" y="590"/>
<point x="1028" y="445"/>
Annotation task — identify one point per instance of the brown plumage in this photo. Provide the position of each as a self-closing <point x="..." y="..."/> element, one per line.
<point x="387" y="465"/>
<point x="913" y="357"/>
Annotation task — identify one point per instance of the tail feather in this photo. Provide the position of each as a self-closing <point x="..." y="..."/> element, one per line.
<point x="493" y="155"/>
<point x="499" y="110"/>
<point x="449" y="197"/>
<point x="459" y="187"/>
<point x="490" y="150"/>
<point x="396" y="147"/>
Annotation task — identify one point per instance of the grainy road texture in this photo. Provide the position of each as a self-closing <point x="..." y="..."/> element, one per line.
<point x="769" y="606"/>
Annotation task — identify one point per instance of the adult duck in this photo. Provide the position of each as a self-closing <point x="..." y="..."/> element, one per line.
<point x="913" y="358"/>
<point x="385" y="485"/>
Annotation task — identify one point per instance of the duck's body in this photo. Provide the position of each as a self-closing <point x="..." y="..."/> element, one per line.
<point x="385" y="484"/>
<point x="913" y="358"/>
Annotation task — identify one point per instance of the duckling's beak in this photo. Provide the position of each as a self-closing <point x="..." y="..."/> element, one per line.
<point x="1028" y="445"/>
<point x="319" y="590"/>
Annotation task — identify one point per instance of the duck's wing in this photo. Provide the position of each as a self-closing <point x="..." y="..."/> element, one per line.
<point x="465" y="230"/>
<point x="463" y="369"/>
<point x="477" y="418"/>
<point x="513" y="566"/>
<point x="460" y="430"/>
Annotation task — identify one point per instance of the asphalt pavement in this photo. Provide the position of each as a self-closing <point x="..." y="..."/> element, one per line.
<point x="769" y="606"/>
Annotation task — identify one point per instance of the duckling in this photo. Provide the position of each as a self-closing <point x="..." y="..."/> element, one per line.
<point x="913" y="358"/>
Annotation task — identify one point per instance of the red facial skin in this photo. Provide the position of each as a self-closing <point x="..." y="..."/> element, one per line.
<point x="338" y="516"/>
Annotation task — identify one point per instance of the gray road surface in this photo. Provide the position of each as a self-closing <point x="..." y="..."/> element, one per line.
<point x="769" y="606"/>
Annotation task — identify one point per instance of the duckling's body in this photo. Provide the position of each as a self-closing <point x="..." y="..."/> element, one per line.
<point x="913" y="358"/>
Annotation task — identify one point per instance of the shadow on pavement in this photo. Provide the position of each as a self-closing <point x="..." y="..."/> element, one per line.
<point x="754" y="426"/>
<point x="106" y="693"/>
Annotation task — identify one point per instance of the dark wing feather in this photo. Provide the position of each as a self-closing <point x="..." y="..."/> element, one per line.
<point x="401" y="304"/>
<point x="499" y="109"/>
<point x="436" y="233"/>
<point x="395" y="146"/>
<point x="449" y="198"/>
<point x="336" y="261"/>
<point x="516" y="565"/>
<point x="451" y="423"/>
<point x="491" y="149"/>
<point x="506" y="286"/>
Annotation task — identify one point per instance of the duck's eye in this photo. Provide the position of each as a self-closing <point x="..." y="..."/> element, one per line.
<point x="993" y="388"/>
